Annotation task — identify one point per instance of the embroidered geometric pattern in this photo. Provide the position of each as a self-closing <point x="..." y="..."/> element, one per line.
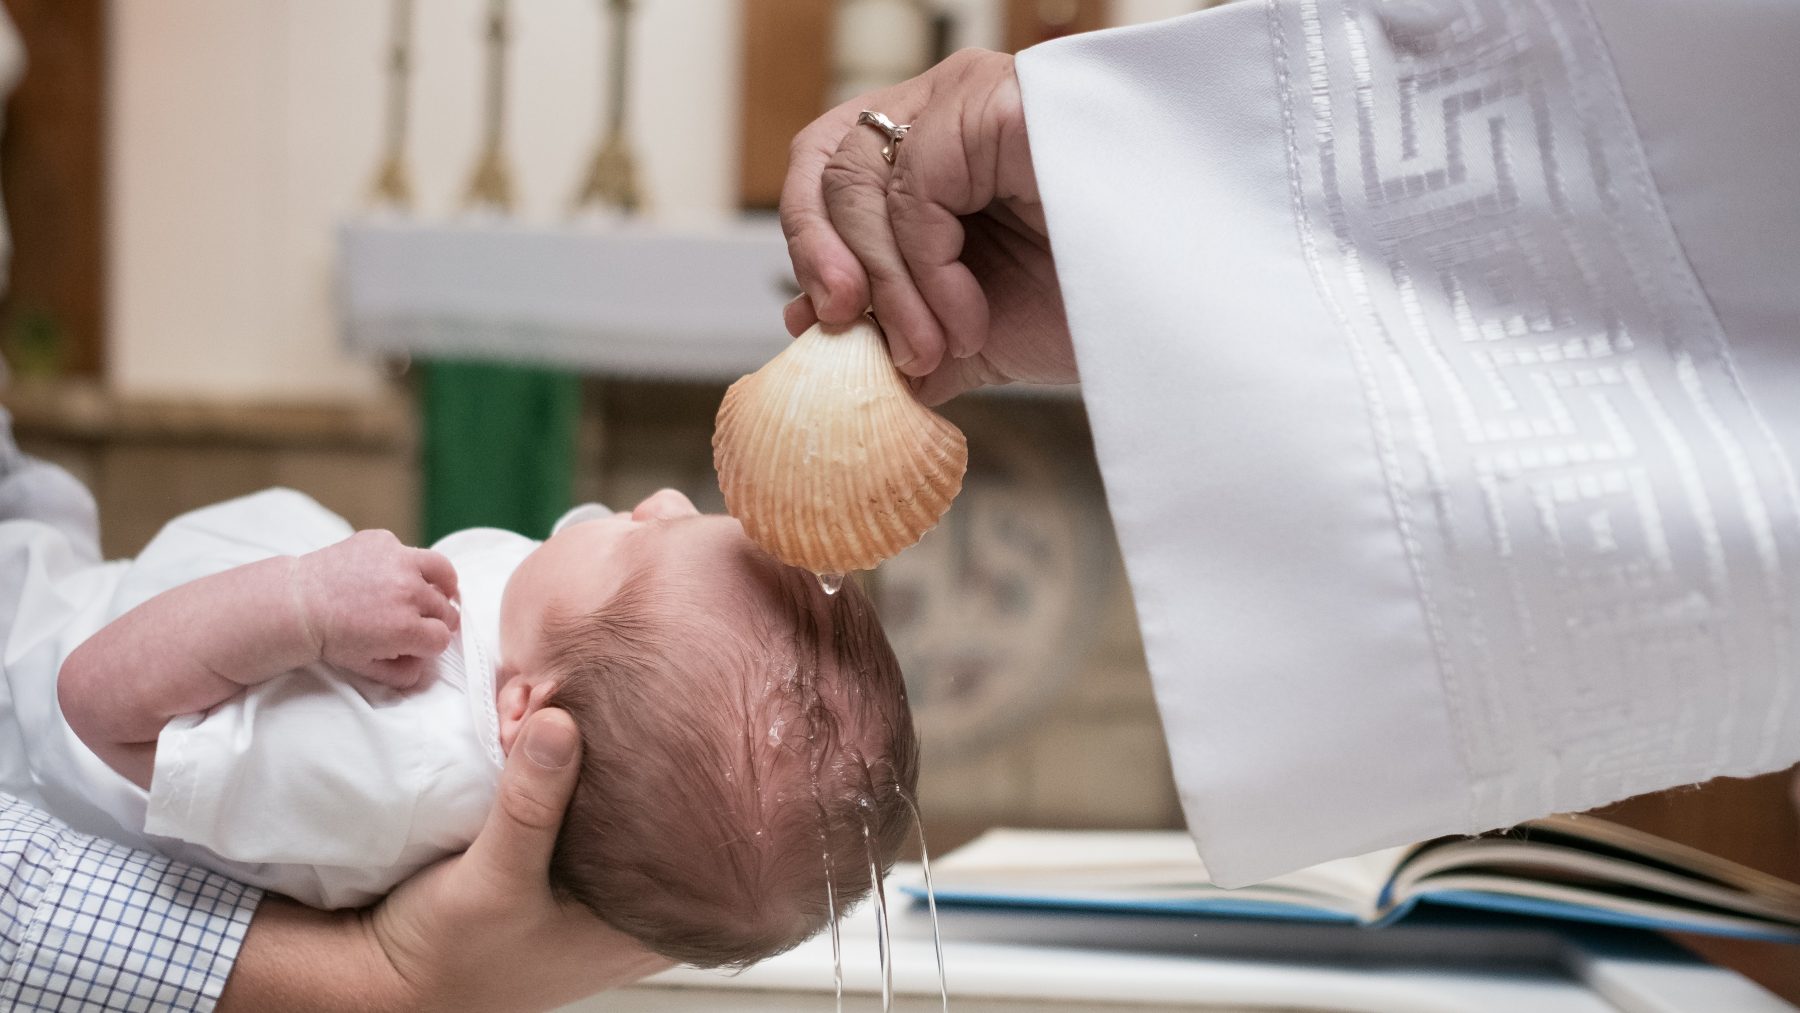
<point x="86" y="924"/>
<point x="1587" y="497"/>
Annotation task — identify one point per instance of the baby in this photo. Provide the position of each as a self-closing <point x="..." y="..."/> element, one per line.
<point x="323" y="712"/>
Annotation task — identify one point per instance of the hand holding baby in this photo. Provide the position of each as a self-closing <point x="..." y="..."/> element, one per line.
<point x="377" y="607"/>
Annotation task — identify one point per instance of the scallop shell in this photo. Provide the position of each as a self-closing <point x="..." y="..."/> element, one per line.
<point x="828" y="459"/>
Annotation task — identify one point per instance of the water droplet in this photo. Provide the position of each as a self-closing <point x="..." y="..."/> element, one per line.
<point x="831" y="583"/>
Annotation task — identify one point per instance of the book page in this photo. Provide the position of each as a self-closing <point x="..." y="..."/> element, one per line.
<point x="1077" y="866"/>
<point x="1666" y="915"/>
<point x="1513" y="866"/>
<point x="1659" y="849"/>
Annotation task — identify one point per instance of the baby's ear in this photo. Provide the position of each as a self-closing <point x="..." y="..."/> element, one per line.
<point x="539" y="695"/>
<point x="513" y="699"/>
<point x="517" y="699"/>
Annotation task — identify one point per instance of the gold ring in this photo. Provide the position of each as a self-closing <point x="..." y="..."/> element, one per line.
<point x="891" y="130"/>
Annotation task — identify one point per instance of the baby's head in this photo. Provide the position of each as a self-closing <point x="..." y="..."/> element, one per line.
<point x="743" y="733"/>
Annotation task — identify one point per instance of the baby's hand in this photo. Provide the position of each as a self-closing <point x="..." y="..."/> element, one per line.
<point x="376" y="607"/>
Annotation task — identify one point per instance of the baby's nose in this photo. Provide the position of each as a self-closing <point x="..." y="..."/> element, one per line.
<point x="662" y="505"/>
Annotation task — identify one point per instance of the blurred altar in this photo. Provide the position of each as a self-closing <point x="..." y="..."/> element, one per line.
<point x="312" y="242"/>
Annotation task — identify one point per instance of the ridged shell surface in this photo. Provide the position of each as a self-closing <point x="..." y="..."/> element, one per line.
<point x="828" y="460"/>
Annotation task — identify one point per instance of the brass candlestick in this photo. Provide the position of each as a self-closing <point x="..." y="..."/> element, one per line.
<point x="393" y="183"/>
<point x="611" y="180"/>
<point x="490" y="186"/>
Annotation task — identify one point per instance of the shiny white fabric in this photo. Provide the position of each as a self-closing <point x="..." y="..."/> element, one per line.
<point x="317" y="784"/>
<point x="1445" y="413"/>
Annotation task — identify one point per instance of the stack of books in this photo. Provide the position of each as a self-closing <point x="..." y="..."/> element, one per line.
<point x="1579" y="868"/>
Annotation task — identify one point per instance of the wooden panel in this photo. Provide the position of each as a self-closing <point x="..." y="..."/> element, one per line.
<point x="148" y="459"/>
<point x="52" y="171"/>
<point x="1749" y="820"/>
<point x="787" y="79"/>
<point x="1029" y="22"/>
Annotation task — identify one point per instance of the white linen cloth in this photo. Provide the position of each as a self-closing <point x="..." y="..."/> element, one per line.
<point x="1441" y="359"/>
<point x="317" y="783"/>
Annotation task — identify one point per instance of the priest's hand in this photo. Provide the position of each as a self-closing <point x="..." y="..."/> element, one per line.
<point x="947" y="244"/>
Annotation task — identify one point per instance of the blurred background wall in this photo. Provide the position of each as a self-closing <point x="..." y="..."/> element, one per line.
<point x="241" y="134"/>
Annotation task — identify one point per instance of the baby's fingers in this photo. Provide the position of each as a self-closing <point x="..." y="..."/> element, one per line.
<point x="437" y="570"/>
<point x="410" y="650"/>
<point x="396" y="673"/>
<point x="432" y="604"/>
<point x="426" y="637"/>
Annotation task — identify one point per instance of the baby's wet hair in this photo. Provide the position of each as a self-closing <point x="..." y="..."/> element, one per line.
<point x="727" y="765"/>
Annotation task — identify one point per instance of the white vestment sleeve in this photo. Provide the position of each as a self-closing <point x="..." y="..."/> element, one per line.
<point x="1441" y="382"/>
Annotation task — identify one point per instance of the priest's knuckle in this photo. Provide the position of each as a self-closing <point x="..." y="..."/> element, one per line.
<point x="836" y="279"/>
<point x="964" y="62"/>
<point x="960" y="60"/>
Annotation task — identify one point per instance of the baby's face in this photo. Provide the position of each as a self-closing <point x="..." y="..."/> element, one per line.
<point x="582" y="566"/>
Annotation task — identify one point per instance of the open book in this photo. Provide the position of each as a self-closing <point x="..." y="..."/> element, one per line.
<point x="1572" y="867"/>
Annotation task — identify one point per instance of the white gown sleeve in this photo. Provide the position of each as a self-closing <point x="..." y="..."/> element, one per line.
<point x="305" y="768"/>
<point x="1440" y="360"/>
<point x="322" y="785"/>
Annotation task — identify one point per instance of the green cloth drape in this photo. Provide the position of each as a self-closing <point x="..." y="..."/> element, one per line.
<point x="499" y="446"/>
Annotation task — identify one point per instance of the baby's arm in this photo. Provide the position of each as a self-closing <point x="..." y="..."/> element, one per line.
<point x="367" y="604"/>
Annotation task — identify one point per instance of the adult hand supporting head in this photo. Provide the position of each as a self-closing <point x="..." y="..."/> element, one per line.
<point x="947" y="245"/>
<point x="480" y="931"/>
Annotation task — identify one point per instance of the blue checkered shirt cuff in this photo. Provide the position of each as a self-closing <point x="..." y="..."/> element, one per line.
<point x="86" y="924"/>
